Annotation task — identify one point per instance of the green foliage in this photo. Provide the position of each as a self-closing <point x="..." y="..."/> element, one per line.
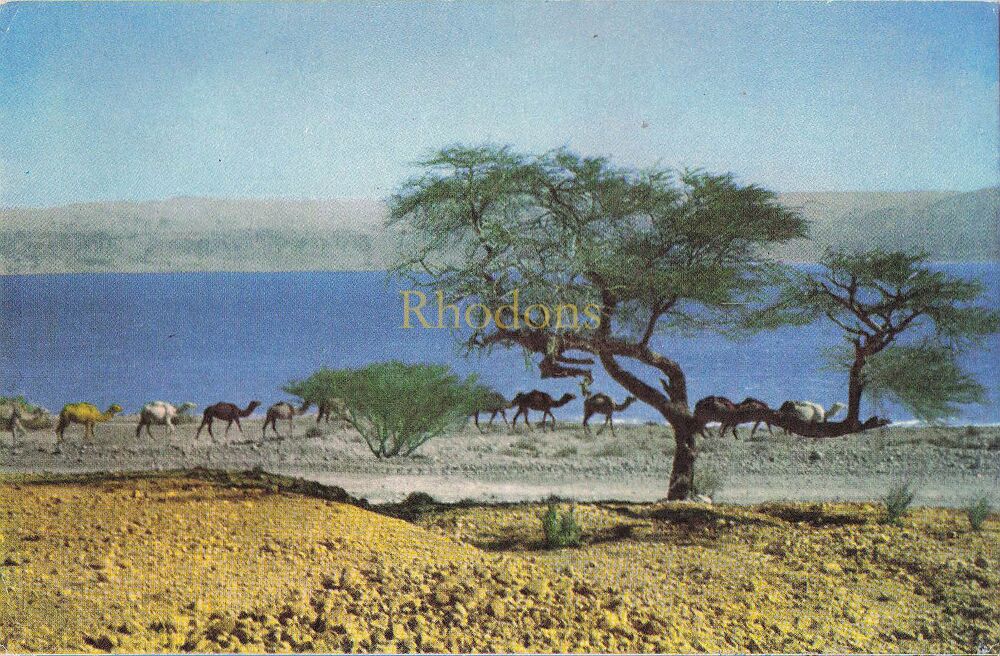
<point x="924" y="378"/>
<point x="484" y="398"/>
<point x="561" y="529"/>
<point x="396" y="407"/>
<point x="561" y="227"/>
<point x="978" y="511"/>
<point x="707" y="481"/>
<point x="320" y="386"/>
<point x="314" y="431"/>
<point x="897" y="501"/>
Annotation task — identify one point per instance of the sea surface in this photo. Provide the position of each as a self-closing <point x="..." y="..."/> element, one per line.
<point x="207" y="337"/>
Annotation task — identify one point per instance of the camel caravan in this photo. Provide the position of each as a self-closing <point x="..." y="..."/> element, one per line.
<point x="711" y="409"/>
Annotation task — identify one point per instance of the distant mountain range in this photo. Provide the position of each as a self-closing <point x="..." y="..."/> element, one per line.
<point x="204" y="234"/>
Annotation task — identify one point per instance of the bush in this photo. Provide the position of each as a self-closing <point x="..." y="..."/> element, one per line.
<point x="561" y="529"/>
<point x="978" y="511"/>
<point x="565" y="452"/>
<point x="396" y="407"/>
<point x="707" y="481"/>
<point x="613" y="450"/>
<point x="314" y="431"/>
<point x="897" y="501"/>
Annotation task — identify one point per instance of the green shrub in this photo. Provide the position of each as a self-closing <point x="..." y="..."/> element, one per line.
<point x="978" y="511"/>
<point x="524" y="445"/>
<point x="565" y="452"/>
<point x="707" y="481"/>
<point x="314" y="431"/>
<point x="613" y="450"/>
<point x="897" y="501"/>
<point x="396" y="407"/>
<point x="561" y="529"/>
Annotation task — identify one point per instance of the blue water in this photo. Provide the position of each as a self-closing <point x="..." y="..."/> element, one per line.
<point x="205" y="337"/>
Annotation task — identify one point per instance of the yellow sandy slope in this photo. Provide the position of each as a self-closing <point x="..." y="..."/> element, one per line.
<point x="171" y="564"/>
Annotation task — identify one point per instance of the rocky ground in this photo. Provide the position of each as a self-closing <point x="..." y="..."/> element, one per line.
<point x="947" y="466"/>
<point x="212" y="563"/>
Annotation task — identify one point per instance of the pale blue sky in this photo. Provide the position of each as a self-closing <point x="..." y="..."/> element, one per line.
<point x="139" y="101"/>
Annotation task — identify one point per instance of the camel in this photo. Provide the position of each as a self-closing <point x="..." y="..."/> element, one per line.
<point x="536" y="400"/>
<point x="714" y="408"/>
<point x="83" y="413"/>
<point x="494" y="403"/>
<point x="751" y="404"/>
<point x="330" y="406"/>
<point x="809" y="412"/>
<point x="226" y="412"/>
<point x="15" y="422"/>
<point x="602" y="404"/>
<point x="283" y="410"/>
<point x="160" y="413"/>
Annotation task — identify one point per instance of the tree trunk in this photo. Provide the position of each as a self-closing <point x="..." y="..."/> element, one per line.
<point x="682" y="473"/>
<point x="854" y="388"/>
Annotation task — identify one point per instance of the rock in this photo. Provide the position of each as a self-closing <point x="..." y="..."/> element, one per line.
<point x="702" y="498"/>
<point x="815" y="456"/>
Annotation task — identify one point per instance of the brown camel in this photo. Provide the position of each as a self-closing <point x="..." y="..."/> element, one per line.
<point x="227" y="412"/>
<point x="753" y="405"/>
<point x="714" y="408"/>
<point x="331" y="406"/>
<point x="536" y="400"/>
<point x="282" y="410"/>
<point x="494" y="403"/>
<point x="602" y="404"/>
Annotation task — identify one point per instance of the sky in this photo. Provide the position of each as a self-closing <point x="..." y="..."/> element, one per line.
<point x="143" y="101"/>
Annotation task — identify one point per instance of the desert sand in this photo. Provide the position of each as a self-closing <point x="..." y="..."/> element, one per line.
<point x="947" y="466"/>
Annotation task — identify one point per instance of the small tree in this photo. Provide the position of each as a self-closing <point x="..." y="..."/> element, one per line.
<point x="876" y="298"/>
<point x="396" y="407"/>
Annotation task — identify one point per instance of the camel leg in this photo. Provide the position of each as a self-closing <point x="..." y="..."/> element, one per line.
<point x="240" y="427"/>
<point x="204" y="421"/>
<point x="138" y="429"/>
<point x="607" y="418"/>
<point x="475" y="420"/>
<point x="503" y="413"/>
<point x="291" y="426"/>
<point x="228" y="426"/>
<point x="586" y="418"/>
<point x="149" y="431"/>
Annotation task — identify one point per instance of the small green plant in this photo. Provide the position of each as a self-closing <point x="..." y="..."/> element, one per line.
<point x="897" y="501"/>
<point x="565" y="452"/>
<point x="613" y="450"/>
<point x="524" y="445"/>
<point x="978" y="511"/>
<point x="707" y="481"/>
<point x="561" y="529"/>
<point x="314" y="431"/>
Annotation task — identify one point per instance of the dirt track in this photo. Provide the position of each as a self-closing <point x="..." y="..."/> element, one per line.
<point x="947" y="465"/>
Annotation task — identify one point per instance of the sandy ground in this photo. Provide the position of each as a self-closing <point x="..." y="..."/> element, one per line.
<point x="948" y="466"/>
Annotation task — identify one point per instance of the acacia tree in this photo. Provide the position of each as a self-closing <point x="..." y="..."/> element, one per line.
<point x="874" y="298"/>
<point x="650" y="251"/>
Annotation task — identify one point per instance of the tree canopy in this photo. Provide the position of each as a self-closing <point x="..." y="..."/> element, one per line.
<point x="652" y="250"/>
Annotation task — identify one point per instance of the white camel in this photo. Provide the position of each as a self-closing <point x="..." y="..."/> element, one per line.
<point x="15" y="425"/>
<point x="283" y="410"/>
<point x="161" y="413"/>
<point x="809" y="411"/>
